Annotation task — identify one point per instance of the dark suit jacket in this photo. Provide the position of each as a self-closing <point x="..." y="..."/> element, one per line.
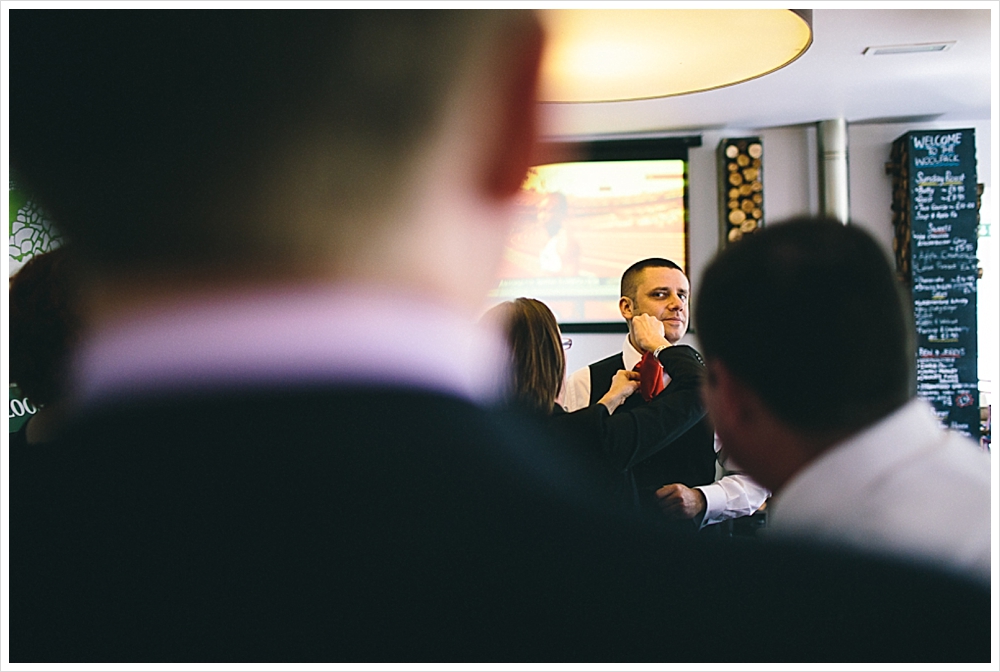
<point x="637" y="432"/>
<point x="366" y="525"/>
<point x="690" y="456"/>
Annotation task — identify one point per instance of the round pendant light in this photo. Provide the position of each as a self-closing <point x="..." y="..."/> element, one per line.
<point x="631" y="54"/>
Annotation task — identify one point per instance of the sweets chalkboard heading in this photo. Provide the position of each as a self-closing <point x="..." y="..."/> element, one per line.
<point x="936" y="219"/>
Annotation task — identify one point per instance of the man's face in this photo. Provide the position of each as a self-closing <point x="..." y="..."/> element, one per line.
<point x="743" y="426"/>
<point x="663" y="293"/>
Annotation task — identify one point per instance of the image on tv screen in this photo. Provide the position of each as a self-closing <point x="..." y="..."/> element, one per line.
<point x="580" y="225"/>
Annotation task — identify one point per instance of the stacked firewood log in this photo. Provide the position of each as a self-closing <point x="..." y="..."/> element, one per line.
<point x="741" y="188"/>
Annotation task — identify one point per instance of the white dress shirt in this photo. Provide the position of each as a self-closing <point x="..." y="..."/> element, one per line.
<point x="577" y="388"/>
<point x="731" y="496"/>
<point x="904" y="486"/>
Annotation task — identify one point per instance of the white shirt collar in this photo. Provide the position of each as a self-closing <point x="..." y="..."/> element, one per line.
<point x="864" y="458"/>
<point x="630" y="355"/>
<point x="307" y="336"/>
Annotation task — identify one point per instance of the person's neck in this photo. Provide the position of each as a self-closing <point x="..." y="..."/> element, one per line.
<point x="793" y="451"/>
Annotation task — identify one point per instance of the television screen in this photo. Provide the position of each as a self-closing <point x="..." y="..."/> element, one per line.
<point x="582" y="223"/>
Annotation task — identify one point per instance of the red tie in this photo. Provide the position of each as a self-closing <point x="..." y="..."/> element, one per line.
<point x="650" y="376"/>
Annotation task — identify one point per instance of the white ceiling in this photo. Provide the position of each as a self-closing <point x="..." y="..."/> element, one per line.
<point x="832" y="79"/>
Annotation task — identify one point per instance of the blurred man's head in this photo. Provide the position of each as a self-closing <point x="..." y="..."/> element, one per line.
<point x="657" y="287"/>
<point x="272" y="143"/>
<point x="44" y="325"/>
<point x="803" y="323"/>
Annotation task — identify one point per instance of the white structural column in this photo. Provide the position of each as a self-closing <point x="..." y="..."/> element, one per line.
<point x="832" y="135"/>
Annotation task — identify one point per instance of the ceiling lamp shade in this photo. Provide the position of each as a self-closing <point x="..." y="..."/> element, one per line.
<point x="619" y="54"/>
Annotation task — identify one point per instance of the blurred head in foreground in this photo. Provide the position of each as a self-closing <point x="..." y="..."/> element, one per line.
<point x="180" y="149"/>
<point x="806" y="341"/>
<point x="43" y="325"/>
<point x="539" y="364"/>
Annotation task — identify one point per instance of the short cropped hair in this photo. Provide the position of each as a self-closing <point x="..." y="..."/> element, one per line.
<point x="810" y="316"/>
<point x="184" y="138"/>
<point x="44" y="324"/>
<point x="539" y="364"/>
<point x="630" y="278"/>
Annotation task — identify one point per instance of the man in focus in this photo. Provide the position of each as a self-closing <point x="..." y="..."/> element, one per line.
<point x="680" y="479"/>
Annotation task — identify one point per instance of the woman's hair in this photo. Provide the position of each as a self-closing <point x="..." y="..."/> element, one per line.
<point x="539" y="365"/>
<point x="44" y="324"/>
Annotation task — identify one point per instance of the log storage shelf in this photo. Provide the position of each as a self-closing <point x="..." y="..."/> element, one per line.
<point x="741" y="187"/>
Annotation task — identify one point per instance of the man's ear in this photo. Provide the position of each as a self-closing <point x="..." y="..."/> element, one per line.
<point x="759" y="441"/>
<point x="625" y="306"/>
<point x="517" y="138"/>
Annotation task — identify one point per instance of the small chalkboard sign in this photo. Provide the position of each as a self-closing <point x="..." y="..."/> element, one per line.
<point x="936" y="220"/>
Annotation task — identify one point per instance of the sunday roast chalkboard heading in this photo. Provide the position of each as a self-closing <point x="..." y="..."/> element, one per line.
<point x="936" y="219"/>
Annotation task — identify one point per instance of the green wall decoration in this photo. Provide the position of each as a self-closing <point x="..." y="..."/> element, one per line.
<point x="30" y="230"/>
<point x="19" y="408"/>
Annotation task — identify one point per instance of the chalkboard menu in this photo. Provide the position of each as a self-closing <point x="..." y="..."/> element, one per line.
<point x="936" y="218"/>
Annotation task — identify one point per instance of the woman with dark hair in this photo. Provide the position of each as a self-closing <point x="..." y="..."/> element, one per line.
<point x="539" y="364"/>
<point x="616" y="441"/>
